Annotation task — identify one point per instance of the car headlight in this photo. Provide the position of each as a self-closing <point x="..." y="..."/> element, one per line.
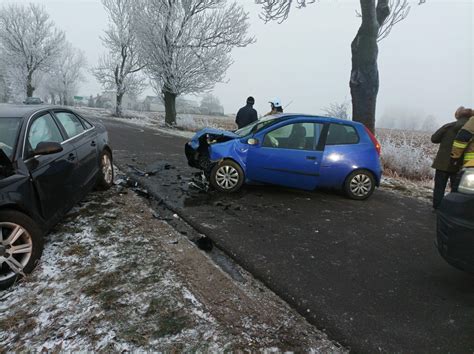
<point x="467" y="182"/>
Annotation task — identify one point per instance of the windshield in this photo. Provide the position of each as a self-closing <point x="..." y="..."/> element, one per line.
<point x="8" y="134"/>
<point x="255" y="126"/>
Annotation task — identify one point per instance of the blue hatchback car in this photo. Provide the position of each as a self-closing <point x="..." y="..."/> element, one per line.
<point x="297" y="151"/>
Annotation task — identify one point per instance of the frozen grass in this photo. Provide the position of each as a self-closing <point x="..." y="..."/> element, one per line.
<point x="407" y="154"/>
<point x="188" y="122"/>
<point x="193" y="122"/>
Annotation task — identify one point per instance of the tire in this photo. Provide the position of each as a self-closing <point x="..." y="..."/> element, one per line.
<point x="227" y="176"/>
<point x="31" y="238"/>
<point x="359" y="185"/>
<point x="105" y="180"/>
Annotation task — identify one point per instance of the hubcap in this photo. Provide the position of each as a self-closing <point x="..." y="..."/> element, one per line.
<point x="107" y="169"/>
<point x="227" y="177"/>
<point x="15" y="250"/>
<point x="361" y="185"/>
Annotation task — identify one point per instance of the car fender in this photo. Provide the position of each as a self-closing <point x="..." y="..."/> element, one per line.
<point x="233" y="150"/>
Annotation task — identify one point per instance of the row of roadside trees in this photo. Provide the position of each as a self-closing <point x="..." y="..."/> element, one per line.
<point x="35" y="56"/>
<point x="180" y="46"/>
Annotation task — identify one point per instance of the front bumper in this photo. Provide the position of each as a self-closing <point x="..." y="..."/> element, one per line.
<point x="192" y="155"/>
<point x="455" y="230"/>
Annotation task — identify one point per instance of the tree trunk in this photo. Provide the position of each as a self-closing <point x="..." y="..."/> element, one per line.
<point x="29" y="85"/>
<point x="364" y="80"/>
<point x="118" y="106"/>
<point x="170" y="107"/>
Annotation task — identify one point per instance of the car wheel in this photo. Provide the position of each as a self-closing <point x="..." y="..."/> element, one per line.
<point x="106" y="171"/>
<point x="359" y="185"/>
<point x="21" y="245"/>
<point x="227" y="176"/>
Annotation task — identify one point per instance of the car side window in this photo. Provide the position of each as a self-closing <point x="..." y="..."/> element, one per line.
<point x="71" y="124"/>
<point x="43" y="129"/>
<point x="86" y="124"/>
<point x="342" y="134"/>
<point x="297" y="136"/>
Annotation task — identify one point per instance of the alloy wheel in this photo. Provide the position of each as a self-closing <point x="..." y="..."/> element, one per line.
<point x="361" y="185"/>
<point x="227" y="177"/>
<point x="16" y="248"/>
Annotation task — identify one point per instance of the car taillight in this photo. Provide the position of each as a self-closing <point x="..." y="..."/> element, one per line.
<point x="372" y="137"/>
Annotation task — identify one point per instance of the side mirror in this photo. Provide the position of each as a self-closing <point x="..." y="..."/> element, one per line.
<point x="252" y="141"/>
<point x="47" y="148"/>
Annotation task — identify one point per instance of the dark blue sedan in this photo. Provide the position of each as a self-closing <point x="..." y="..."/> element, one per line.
<point x="50" y="158"/>
<point x="297" y="151"/>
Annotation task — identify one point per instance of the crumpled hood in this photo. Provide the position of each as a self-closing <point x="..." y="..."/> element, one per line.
<point x="217" y="132"/>
<point x="6" y="166"/>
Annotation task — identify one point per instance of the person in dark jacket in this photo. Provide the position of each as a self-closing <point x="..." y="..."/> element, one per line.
<point x="445" y="169"/>
<point x="247" y="114"/>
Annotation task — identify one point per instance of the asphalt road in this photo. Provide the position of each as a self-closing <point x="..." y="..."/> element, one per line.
<point x="366" y="272"/>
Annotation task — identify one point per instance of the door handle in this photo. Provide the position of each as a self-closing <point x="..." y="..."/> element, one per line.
<point x="313" y="158"/>
<point x="93" y="143"/>
<point x="71" y="157"/>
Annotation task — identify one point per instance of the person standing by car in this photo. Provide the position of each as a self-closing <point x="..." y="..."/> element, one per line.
<point x="445" y="168"/>
<point x="275" y="106"/>
<point x="463" y="146"/>
<point x="247" y="114"/>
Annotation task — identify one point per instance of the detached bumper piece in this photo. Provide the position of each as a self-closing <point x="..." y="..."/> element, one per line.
<point x="192" y="155"/>
<point x="455" y="231"/>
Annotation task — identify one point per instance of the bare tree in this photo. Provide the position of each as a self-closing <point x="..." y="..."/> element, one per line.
<point x="30" y="41"/>
<point x="338" y="110"/>
<point x="399" y="10"/>
<point x="63" y="79"/>
<point x="187" y="44"/>
<point x="377" y="22"/>
<point x="120" y="68"/>
<point x="210" y="104"/>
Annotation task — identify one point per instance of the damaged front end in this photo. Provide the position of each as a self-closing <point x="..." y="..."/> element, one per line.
<point x="198" y="149"/>
<point x="6" y="167"/>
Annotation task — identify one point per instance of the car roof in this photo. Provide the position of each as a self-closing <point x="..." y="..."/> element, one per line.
<point x="284" y="116"/>
<point x="22" y="111"/>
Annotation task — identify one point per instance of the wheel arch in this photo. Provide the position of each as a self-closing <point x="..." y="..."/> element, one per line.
<point x="15" y="207"/>
<point x="109" y="150"/>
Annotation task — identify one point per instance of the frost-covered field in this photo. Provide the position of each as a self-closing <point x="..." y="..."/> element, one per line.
<point x="407" y="154"/>
<point x="113" y="277"/>
<point x="187" y="122"/>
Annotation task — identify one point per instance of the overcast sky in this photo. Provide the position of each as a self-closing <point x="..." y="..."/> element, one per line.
<point x="426" y="64"/>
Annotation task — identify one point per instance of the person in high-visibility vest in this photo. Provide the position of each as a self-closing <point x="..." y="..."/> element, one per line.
<point x="463" y="146"/>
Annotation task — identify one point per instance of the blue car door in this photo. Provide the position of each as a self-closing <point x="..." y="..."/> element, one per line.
<point x="287" y="155"/>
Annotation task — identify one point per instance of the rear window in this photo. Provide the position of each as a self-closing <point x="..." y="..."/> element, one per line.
<point x="342" y="134"/>
<point x="71" y="124"/>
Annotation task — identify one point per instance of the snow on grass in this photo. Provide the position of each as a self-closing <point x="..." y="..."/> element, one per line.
<point x="102" y="284"/>
<point x="154" y="120"/>
<point x="408" y="155"/>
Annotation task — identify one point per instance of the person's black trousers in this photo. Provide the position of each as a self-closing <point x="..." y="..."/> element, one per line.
<point x="441" y="181"/>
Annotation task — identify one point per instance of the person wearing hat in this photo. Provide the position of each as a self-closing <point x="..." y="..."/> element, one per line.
<point x="446" y="170"/>
<point x="247" y="114"/>
<point x="275" y="106"/>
